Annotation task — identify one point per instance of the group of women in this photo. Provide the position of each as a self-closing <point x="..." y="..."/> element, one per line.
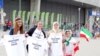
<point x="57" y="40"/>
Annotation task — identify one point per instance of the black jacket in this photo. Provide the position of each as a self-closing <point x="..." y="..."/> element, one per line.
<point x="11" y="32"/>
<point x="31" y="31"/>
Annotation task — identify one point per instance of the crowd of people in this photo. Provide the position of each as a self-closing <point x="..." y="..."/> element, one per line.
<point x="96" y="28"/>
<point x="7" y="25"/>
<point x="55" y="42"/>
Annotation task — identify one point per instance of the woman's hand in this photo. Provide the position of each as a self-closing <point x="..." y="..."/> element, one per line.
<point x="26" y="35"/>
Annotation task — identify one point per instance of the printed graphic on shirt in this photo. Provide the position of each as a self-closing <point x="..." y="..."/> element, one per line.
<point x="38" y="35"/>
<point x="13" y="41"/>
<point x="14" y="45"/>
<point x="55" y="40"/>
<point x="36" y="46"/>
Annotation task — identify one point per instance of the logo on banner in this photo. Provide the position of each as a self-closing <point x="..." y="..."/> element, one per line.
<point x="13" y="42"/>
<point x="38" y="35"/>
<point x="36" y="46"/>
<point x="55" y="40"/>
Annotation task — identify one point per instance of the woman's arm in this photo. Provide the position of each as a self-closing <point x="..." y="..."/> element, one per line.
<point x="31" y="31"/>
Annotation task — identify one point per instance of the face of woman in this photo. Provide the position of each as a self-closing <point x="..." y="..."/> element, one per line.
<point x="19" y="23"/>
<point x="56" y="26"/>
<point x="40" y="25"/>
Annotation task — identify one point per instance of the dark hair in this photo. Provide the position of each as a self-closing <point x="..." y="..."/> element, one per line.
<point x="67" y="31"/>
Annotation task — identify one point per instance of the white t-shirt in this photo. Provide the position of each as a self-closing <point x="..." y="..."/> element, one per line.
<point x="38" y="45"/>
<point x="70" y="47"/>
<point x="38" y="34"/>
<point x="56" y="44"/>
<point x="14" y="45"/>
<point x="1" y="42"/>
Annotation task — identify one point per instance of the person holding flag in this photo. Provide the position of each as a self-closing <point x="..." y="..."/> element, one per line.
<point x="55" y="40"/>
<point x="36" y="40"/>
<point x="70" y="44"/>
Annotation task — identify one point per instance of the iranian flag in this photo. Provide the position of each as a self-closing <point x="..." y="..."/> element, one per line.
<point x="85" y="33"/>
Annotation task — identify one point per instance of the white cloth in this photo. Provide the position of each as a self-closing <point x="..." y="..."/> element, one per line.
<point x="14" y="45"/>
<point x="38" y="45"/>
<point x="70" y="47"/>
<point x="38" y="34"/>
<point x="56" y="44"/>
<point x="1" y="42"/>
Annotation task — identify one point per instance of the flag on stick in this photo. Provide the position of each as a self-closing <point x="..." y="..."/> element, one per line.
<point x="85" y="33"/>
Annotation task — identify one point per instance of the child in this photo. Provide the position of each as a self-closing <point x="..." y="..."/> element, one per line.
<point x="69" y="44"/>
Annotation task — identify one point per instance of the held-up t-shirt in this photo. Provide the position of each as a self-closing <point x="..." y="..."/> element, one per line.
<point x="56" y="44"/>
<point x="14" y="45"/>
<point x="38" y="45"/>
<point x="70" y="48"/>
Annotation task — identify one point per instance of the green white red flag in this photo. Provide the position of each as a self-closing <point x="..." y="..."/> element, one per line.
<point x="85" y="33"/>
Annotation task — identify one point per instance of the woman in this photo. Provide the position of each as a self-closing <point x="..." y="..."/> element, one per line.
<point x="18" y="27"/>
<point x="37" y="43"/>
<point x="55" y="40"/>
<point x="37" y="28"/>
<point x="14" y="43"/>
